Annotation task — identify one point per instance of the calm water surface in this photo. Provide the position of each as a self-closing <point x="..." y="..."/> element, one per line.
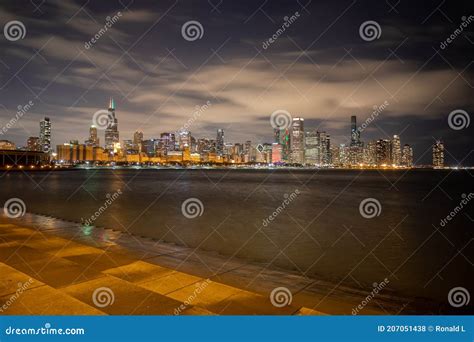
<point x="320" y="232"/>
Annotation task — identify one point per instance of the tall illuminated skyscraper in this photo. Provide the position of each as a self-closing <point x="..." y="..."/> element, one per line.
<point x="137" y="140"/>
<point x="311" y="152"/>
<point x="407" y="156"/>
<point x="438" y="154"/>
<point x="168" y="141"/>
<point x="111" y="132"/>
<point x="297" y="141"/>
<point x="383" y="152"/>
<point x="93" y="138"/>
<point x="355" y="133"/>
<point x="396" y="153"/>
<point x="45" y="135"/>
<point x="220" y="142"/>
<point x="184" y="140"/>
<point x="324" y="148"/>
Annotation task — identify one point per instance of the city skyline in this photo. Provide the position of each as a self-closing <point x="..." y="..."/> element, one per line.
<point x="160" y="78"/>
<point x="292" y="144"/>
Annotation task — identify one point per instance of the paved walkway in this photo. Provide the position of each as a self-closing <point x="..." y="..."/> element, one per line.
<point x="54" y="267"/>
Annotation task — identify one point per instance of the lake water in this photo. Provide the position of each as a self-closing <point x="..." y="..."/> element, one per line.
<point x="319" y="231"/>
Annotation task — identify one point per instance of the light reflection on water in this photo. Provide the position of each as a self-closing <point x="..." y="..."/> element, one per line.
<point x="320" y="233"/>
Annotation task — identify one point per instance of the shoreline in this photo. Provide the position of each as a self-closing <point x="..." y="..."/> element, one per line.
<point x="238" y="279"/>
<point x="228" y="168"/>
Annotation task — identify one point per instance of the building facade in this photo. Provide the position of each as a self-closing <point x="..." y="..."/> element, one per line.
<point x="111" y="132"/>
<point x="45" y="135"/>
<point x="297" y="141"/>
<point x="438" y="154"/>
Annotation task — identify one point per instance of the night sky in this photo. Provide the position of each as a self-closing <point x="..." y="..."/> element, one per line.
<point x="319" y="68"/>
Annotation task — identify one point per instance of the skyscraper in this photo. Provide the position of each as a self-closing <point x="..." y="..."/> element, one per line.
<point x="184" y="140"/>
<point x="311" y="148"/>
<point x="169" y="141"/>
<point x="438" y="154"/>
<point x="370" y="153"/>
<point x="324" y="148"/>
<point x="93" y="138"/>
<point x="137" y="140"/>
<point x="276" y="153"/>
<point x="45" y="135"/>
<point x="382" y="152"/>
<point x="355" y="133"/>
<point x="396" y="152"/>
<point x="220" y="142"/>
<point x="285" y="142"/>
<point x="297" y="141"/>
<point x="407" y="156"/>
<point x="111" y="132"/>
